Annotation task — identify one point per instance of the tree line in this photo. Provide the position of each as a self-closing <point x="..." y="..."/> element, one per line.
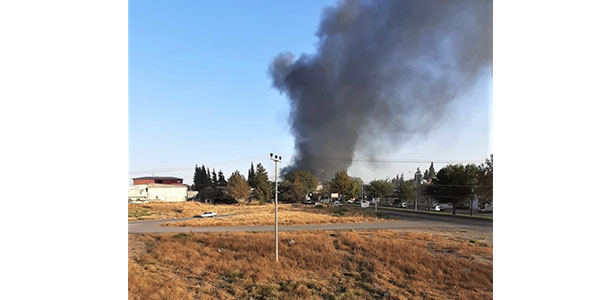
<point x="454" y="184"/>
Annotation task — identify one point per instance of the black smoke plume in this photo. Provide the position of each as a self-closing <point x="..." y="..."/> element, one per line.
<point x="386" y="69"/>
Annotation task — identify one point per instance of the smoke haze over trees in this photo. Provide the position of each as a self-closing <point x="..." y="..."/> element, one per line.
<point x="382" y="69"/>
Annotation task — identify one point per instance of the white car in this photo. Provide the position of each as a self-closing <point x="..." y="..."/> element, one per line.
<point x="350" y="201"/>
<point x="208" y="214"/>
<point x="437" y="208"/>
<point x="337" y="203"/>
<point x="486" y="208"/>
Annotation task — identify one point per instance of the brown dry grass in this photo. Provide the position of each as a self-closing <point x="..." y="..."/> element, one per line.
<point x="234" y="215"/>
<point x="317" y="265"/>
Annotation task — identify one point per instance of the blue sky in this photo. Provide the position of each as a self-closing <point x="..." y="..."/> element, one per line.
<point x="199" y="92"/>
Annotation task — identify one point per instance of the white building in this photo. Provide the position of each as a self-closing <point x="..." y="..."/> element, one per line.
<point x="157" y="192"/>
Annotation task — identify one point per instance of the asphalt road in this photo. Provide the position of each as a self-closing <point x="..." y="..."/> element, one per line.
<point x="402" y="220"/>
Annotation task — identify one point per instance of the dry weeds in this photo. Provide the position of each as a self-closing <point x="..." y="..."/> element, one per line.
<point x="234" y="215"/>
<point x="316" y="265"/>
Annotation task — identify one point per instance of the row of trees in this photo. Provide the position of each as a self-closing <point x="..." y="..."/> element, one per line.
<point x="458" y="184"/>
<point x="207" y="184"/>
<point x="454" y="184"/>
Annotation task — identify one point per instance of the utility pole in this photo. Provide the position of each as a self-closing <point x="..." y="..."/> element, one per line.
<point x="276" y="159"/>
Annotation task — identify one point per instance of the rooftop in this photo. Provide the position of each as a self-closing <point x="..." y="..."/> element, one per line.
<point x="158" y="177"/>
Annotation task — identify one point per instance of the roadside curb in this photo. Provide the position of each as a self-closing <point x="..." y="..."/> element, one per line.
<point x="425" y="213"/>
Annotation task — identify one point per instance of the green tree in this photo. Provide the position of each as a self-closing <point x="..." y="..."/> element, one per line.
<point x="237" y="187"/>
<point x="407" y="191"/>
<point x="380" y="188"/>
<point x="206" y="178"/>
<point x="196" y="184"/>
<point x="297" y="185"/>
<point x="222" y="181"/>
<point x="215" y="181"/>
<point x="356" y="187"/>
<point x="209" y="193"/>
<point x="341" y="184"/>
<point x="325" y="190"/>
<point x="251" y="176"/>
<point x="485" y="181"/>
<point x="454" y="184"/>
<point x="262" y="190"/>
<point x="431" y="171"/>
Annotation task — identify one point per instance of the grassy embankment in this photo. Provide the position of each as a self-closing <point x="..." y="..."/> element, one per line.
<point x="313" y="265"/>
<point x="232" y="215"/>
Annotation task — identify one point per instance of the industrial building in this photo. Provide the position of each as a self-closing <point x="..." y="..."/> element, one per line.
<point x="163" y="189"/>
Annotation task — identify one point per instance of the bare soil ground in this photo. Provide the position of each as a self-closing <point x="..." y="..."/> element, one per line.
<point x="379" y="264"/>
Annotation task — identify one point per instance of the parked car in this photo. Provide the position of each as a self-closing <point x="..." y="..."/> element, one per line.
<point x="208" y="214"/>
<point x="437" y="208"/>
<point x="486" y="208"/>
<point x="309" y="201"/>
<point x="350" y="201"/>
<point x="401" y="205"/>
<point x="446" y="206"/>
<point x="337" y="203"/>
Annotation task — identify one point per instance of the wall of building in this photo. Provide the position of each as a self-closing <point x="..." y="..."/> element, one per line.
<point x="157" y="192"/>
<point x="167" y="194"/>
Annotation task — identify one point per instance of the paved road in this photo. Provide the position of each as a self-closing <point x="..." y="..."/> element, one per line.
<point x="408" y="222"/>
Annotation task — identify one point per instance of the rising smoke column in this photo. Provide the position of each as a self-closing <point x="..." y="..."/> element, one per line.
<point x="389" y="67"/>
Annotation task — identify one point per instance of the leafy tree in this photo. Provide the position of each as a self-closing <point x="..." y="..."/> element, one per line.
<point x="341" y="184"/>
<point x="262" y="189"/>
<point x="297" y="185"/>
<point x="251" y="176"/>
<point x="485" y="180"/>
<point x="407" y="191"/>
<point x="356" y="187"/>
<point x="209" y="193"/>
<point x="237" y="187"/>
<point x="380" y="188"/>
<point x="222" y="181"/>
<point x="453" y="184"/>
<point x="326" y="190"/>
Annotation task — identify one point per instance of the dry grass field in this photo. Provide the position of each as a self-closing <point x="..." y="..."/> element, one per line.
<point x="231" y="215"/>
<point x="313" y="265"/>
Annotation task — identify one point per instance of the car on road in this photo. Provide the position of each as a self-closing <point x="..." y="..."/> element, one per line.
<point x="208" y="214"/>
<point x="337" y="203"/>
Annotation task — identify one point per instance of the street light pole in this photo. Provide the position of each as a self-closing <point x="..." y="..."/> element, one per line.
<point x="276" y="158"/>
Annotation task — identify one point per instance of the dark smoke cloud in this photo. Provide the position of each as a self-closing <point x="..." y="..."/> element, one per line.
<point x="389" y="67"/>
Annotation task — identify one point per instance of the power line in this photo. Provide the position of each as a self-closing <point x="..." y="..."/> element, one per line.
<point x="219" y="163"/>
<point x="394" y="160"/>
<point x="322" y="158"/>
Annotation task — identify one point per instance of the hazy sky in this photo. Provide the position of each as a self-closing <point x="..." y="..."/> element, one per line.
<point x="199" y="92"/>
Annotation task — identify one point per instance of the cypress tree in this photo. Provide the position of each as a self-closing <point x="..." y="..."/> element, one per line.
<point x="222" y="181"/>
<point x="251" y="176"/>
<point x="431" y="171"/>
<point x="196" y="185"/>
